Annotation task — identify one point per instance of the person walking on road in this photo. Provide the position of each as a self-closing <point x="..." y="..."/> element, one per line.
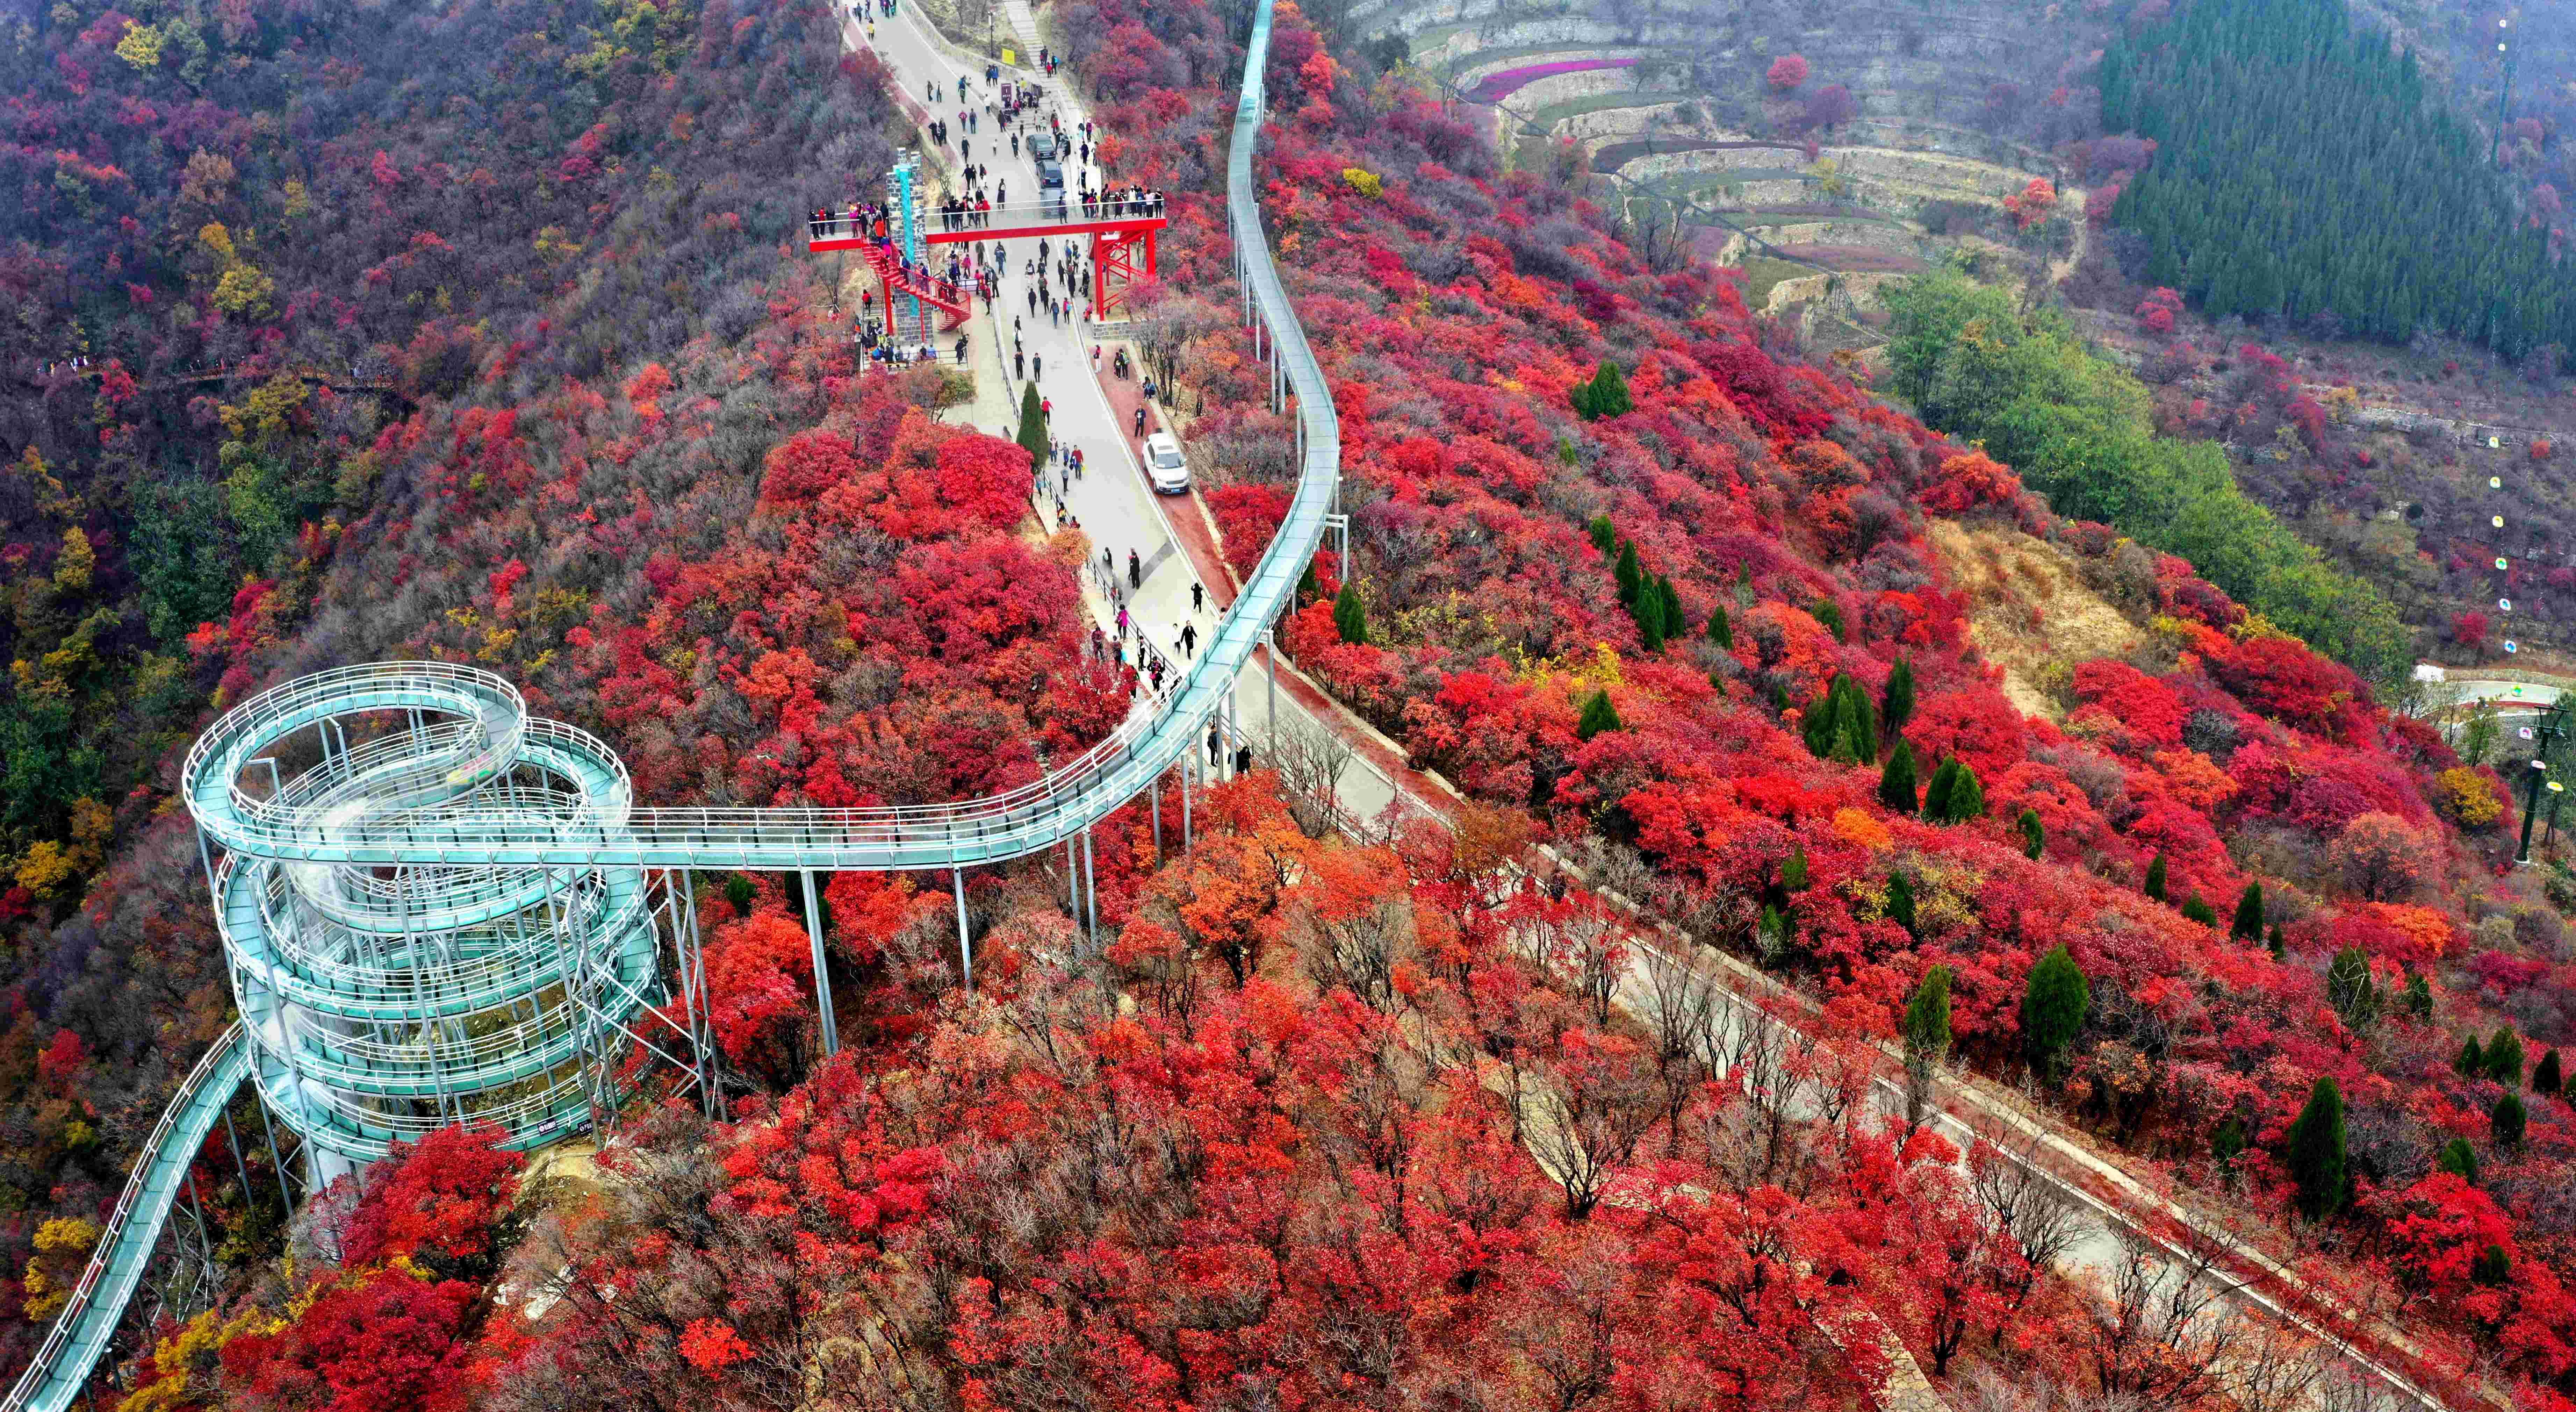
<point x="1198" y="597"/>
<point x="1135" y="570"/>
<point x="1189" y="640"/>
<point x="1139" y="432"/>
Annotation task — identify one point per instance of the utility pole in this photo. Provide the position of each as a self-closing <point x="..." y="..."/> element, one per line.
<point x="2552" y="727"/>
<point x="2504" y="97"/>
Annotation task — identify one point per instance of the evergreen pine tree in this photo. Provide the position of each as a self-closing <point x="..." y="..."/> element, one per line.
<point x="741" y="892"/>
<point x="1605" y="535"/>
<point x="2196" y="908"/>
<point x="1897" y="702"/>
<point x="1936" y="791"/>
<point x="1720" y="631"/>
<point x="1308" y="585"/>
<point x="1607" y="396"/>
<point x="2504" y="1057"/>
<point x="2034" y="834"/>
<point x="1860" y="718"/>
<point x="1793" y="870"/>
<point x="1032" y="435"/>
<point x="1829" y="613"/>
<point x="1900" y="902"/>
<point x="2155" y="888"/>
<point x="1598" y="715"/>
<point x="1956" y="795"/>
<point x="2546" y="1078"/>
<point x="1630" y="577"/>
<point x="1896" y="781"/>
<point x="2419" y="996"/>
<point x="1822" y="727"/>
<point x="2493" y="1266"/>
<point x="2274" y="944"/>
<point x="1671" y="602"/>
<point x="1648" y="613"/>
<point x="2459" y="1159"/>
<point x="2506" y="1120"/>
<point x="2247" y="925"/>
<point x="2471" y="1061"/>
<point x="2316" y="1155"/>
<point x="2053" y="1003"/>
<point x="1927" y="1041"/>
<point x="2228" y="1140"/>
<point x="1349" y="617"/>
<point x="1771" y="933"/>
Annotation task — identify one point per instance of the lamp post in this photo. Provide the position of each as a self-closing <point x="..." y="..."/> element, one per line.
<point x="2552" y="727"/>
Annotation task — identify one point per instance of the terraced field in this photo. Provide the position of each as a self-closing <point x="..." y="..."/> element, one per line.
<point x="1901" y="185"/>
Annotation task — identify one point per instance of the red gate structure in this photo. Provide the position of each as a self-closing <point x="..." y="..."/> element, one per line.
<point x="1122" y="233"/>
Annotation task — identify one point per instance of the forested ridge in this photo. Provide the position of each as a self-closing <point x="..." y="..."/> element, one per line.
<point x="2082" y="431"/>
<point x="2302" y="170"/>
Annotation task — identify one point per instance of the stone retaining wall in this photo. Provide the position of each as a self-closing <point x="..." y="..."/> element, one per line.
<point x="1873" y="235"/>
<point x="1477" y="71"/>
<point x="1540" y="93"/>
<point x="1710" y="161"/>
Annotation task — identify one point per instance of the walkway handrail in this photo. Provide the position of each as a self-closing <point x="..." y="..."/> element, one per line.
<point x="124" y="1247"/>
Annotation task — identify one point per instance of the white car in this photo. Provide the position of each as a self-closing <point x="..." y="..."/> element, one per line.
<point x="1165" y="466"/>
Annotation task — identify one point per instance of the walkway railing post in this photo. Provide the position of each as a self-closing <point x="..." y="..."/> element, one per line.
<point x="822" y="972"/>
<point x="965" y="946"/>
<point x="1091" y="891"/>
<point x="1270" y="680"/>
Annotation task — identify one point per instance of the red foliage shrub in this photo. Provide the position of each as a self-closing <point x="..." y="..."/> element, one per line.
<point x="443" y="1192"/>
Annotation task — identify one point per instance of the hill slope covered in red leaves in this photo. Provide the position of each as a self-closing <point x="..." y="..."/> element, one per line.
<point x="1275" y="1143"/>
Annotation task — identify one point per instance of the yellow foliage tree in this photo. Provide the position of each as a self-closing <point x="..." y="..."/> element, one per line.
<point x="63" y="1245"/>
<point x="73" y="566"/>
<point x="92" y="825"/>
<point x="244" y="290"/>
<point x="51" y="498"/>
<point x="2466" y="797"/>
<point x="1360" y="179"/>
<point x="45" y="868"/>
<point x="141" y="45"/>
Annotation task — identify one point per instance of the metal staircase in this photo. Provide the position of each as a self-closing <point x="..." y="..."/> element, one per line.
<point x="437" y="907"/>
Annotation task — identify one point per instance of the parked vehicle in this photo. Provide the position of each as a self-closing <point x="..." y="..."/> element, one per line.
<point x="1165" y="466"/>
